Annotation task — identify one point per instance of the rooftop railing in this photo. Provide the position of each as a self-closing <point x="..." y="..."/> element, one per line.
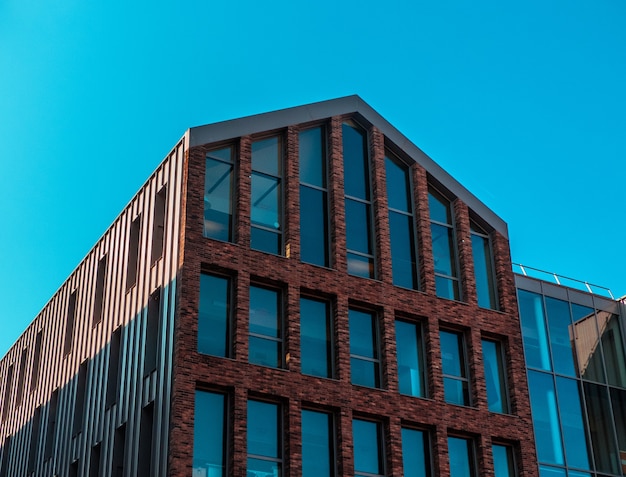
<point x="562" y="280"/>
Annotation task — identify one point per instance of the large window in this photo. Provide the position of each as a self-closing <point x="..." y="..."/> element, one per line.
<point x="484" y="272"/>
<point x="364" y="352"/>
<point x="266" y="207"/>
<point x="401" y="223"/>
<point x="358" y="201"/>
<point x="462" y="461"/>
<point x="209" y="438"/>
<point x="415" y="453"/>
<point x="495" y="376"/>
<point x="218" y="194"/>
<point x="503" y="461"/>
<point x="317" y="444"/>
<point x="444" y="246"/>
<point x="369" y="448"/>
<point x="410" y="353"/>
<point x="316" y="338"/>
<point x="313" y="197"/>
<point x="454" y="367"/>
<point x="266" y="330"/>
<point x="214" y="323"/>
<point x="264" y="440"/>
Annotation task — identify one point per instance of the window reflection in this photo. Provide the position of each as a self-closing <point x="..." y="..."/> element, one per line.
<point x="454" y="368"/>
<point x="368" y="443"/>
<point x="317" y="444"/>
<point x="218" y="193"/>
<point x="265" y="330"/>
<point x="214" y="316"/>
<point x="495" y="376"/>
<point x="209" y="435"/>
<point x="503" y="461"/>
<point x="444" y="247"/>
<point x="415" y="453"/>
<point x="484" y="273"/>
<point x="364" y="354"/>
<point x="409" y="349"/>
<point x="461" y="454"/>
<point x="315" y="338"/>
<point x="264" y="439"/>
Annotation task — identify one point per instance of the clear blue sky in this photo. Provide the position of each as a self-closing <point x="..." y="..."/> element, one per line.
<point x="523" y="102"/>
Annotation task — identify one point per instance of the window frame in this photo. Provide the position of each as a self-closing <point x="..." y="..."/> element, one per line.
<point x="332" y="434"/>
<point x="376" y="351"/>
<point x="502" y="372"/>
<point x="226" y="424"/>
<point x="476" y="230"/>
<point x="280" y="322"/>
<point x="380" y="444"/>
<point x="280" y="434"/>
<point x="421" y="355"/>
<point x="233" y="187"/>
<point x="471" y="453"/>
<point x="428" y="448"/>
<point x="330" y="329"/>
<point x="463" y="366"/>
<point x="230" y="297"/>
<point x="511" y="455"/>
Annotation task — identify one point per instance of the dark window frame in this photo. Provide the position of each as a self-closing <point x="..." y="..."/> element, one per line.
<point x="70" y="323"/>
<point x="233" y="163"/>
<point x="231" y="307"/>
<point x="330" y="328"/>
<point x="132" y="260"/>
<point x="381" y="434"/>
<point x="281" y="340"/>
<point x="477" y="230"/>
<point x="280" y="433"/>
<point x="159" y="217"/>
<point x="333" y="449"/>
<point x="428" y="446"/>
<point x="377" y="351"/>
<point x="471" y="452"/>
<point x="422" y="355"/>
<point x="502" y="356"/>
<point x="464" y="365"/>
<point x="100" y="290"/>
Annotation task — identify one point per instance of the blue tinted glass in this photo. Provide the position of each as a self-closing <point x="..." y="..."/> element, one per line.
<point x="360" y="266"/>
<point x="312" y="161"/>
<point x="587" y="339"/>
<point x="367" y="447"/>
<point x="447" y="288"/>
<point x="208" y="435"/>
<point x="534" y="330"/>
<point x="315" y="338"/>
<point x="402" y="250"/>
<point x="265" y="240"/>
<point x="261" y="467"/>
<point x="358" y="226"/>
<point x="618" y="399"/>
<point x="545" y="471"/>
<point x="263" y="429"/>
<point x="613" y="347"/>
<point x="317" y="460"/>
<point x="364" y="372"/>
<point x="313" y="226"/>
<point x="494" y="377"/>
<point x="266" y="156"/>
<point x="570" y="409"/>
<point x="452" y="354"/>
<point x="439" y="208"/>
<point x="414" y="453"/>
<point x="398" y="186"/>
<point x="213" y="315"/>
<point x="603" y="443"/>
<point x="265" y="210"/>
<point x="264" y="352"/>
<point x="483" y="272"/>
<point x="362" y="334"/>
<point x="560" y="327"/>
<point x="443" y="251"/>
<point x="218" y="198"/>
<point x="409" y="353"/>
<point x="264" y="312"/>
<point x="456" y="391"/>
<point x="460" y="458"/>
<point x="502" y="461"/>
<point x="545" y="418"/>
<point x="355" y="162"/>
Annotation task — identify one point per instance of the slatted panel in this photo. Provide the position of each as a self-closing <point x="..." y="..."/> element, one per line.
<point x="120" y="308"/>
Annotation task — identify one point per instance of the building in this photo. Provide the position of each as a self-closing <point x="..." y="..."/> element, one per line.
<point x="302" y="292"/>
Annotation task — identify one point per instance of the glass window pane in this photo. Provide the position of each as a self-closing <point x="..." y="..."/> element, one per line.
<point x="355" y="160"/>
<point x="545" y="471"/>
<point x="265" y="201"/>
<point x="265" y="341"/>
<point x="495" y="380"/>
<point x="545" y="418"/>
<point x="317" y="444"/>
<point x="402" y="250"/>
<point x="503" y="464"/>
<point x="443" y="251"/>
<point x="570" y="409"/>
<point x="264" y="352"/>
<point x="313" y="226"/>
<point x="265" y="240"/>
<point x="461" y="459"/>
<point x="362" y="334"/>
<point x="534" y="330"/>
<point x="312" y="161"/>
<point x="367" y="440"/>
<point x="456" y="391"/>
<point x="618" y="399"/>
<point x="612" y="345"/>
<point x="218" y="187"/>
<point x="439" y="208"/>
<point x="588" y="349"/>
<point x="447" y="288"/>
<point x="263" y="468"/>
<point x="214" y="315"/>
<point x="263" y="430"/>
<point x="358" y="226"/>
<point x="209" y="434"/>
<point x="360" y="266"/>
<point x="602" y="430"/>
<point x="415" y="456"/>
<point x="483" y="272"/>
<point x="398" y="186"/>
<point x="364" y="372"/>
<point x="452" y="354"/>
<point x="409" y="353"/>
<point x="315" y="342"/>
<point x="560" y="328"/>
<point x="266" y="156"/>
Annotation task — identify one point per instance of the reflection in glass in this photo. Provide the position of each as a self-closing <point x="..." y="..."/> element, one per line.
<point x="364" y="360"/>
<point x="545" y="471"/>
<point x="588" y="349"/>
<point x="613" y="347"/>
<point x="545" y="418"/>
<point x="317" y="444"/>
<point x="368" y="448"/>
<point x="264" y="443"/>
<point x="315" y="338"/>
<point x="534" y="330"/>
<point x="218" y="196"/>
<point x="214" y="316"/>
<point x="483" y="268"/>
<point x="415" y="453"/>
<point x="461" y="457"/>
<point x="209" y="434"/>
<point x="602" y="430"/>
<point x="570" y="409"/>
<point x="561" y="338"/>
<point x="454" y="368"/>
<point x="495" y="377"/>
<point x="444" y="248"/>
<point x="503" y="463"/>
<point x="355" y="161"/>
<point x="618" y="399"/>
<point x="410" y="359"/>
<point x="265" y="341"/>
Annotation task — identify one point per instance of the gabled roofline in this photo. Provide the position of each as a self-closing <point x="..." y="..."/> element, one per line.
<point x="335" y="107"/>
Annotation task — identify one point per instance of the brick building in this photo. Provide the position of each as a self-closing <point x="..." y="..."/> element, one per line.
<point x="302" y="292"/>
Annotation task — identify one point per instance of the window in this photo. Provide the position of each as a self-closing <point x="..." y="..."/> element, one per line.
<point x="52" y="425"/>
<point x="264" y="440"/>
<point x="34" y="441"/>
<point x="100" y="285"/>
<point x="410" y="354"/>
<point x="369" y="448"/>
<point x="158" y="224"/>
<point x="69" y="325"/>
<point x="81" y="391"/>
<point x="7" y="393"/>
<point x="153" y="326"/>
<point x="209" y="439"/>
<point x="461" y="453"/>
<point x="94" y="461"/>
<point x="415" y="453"/>
<point x="133" y="253"/>
<point x="454" y="368"/>
<point x="266" y="332"/>
<point x="401" y="223"/>
<point x="20" y="379"/>
<point x="495" y="376"/>
<point x="144" y="461"/>
<point x="503" y="462"/>
<point x="484" y="272"/>
<point x="364" y="352"/>
<point x="317" y="444"/>
<point x="214" y="323"/>
<point x="113" y="375"/>
<point x="119" y="448"/>
<point x="444" y="246"/>
<point x="316" y="338"/>
<point x="313" y="197"/>
<point x="358" y="202"/>
<point x="534" y="331"/>
<point x="266" y="213"/>
<point x="34" y="377"/>
<point x="6" y="452"/>
<point x="218" y="194"/>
